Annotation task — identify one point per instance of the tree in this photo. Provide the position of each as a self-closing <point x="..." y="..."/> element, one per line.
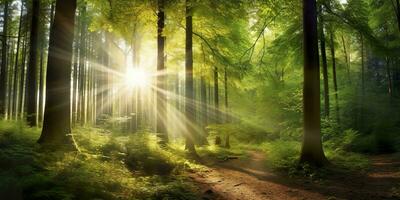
<point x="32" y="71"/>
<point x="189" y="102"/>
<point x="311" y="151"/>
<point x="396" y="7"/>
<point x="3" y="72"/>
<point x="16" y="64"/>
<point x="334" y="75"/>
<point x="161" y="97"/>
<point x="324" y="62"/>
<point x="56" y="124"/>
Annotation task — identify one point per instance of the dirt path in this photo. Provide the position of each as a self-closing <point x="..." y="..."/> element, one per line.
<point x="248" y="179"/>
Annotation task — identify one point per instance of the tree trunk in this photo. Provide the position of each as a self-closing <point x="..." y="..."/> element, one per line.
<point x="346" y="58"/>
<point x="161" y="98"/>
<point x="17" y="67"/>
<point x="389" y="77"/>
<point x="57" y="124"/>
<point x="32" y="66"/>
<point x="324" y="64"/>
<point x="23" y="74"/>
<point x="398" y="13"/>
<point x="189" y="93"/>
<point x="311" y="151"/>
<point x="227" y="119"/>
<point x="362" y="66"/>
<point x="216" y="96"/>
<point x="335" y="84"/>
<point x="10" y="84"/>
<point x="82" y="66"/>
<point x="41" y="82"/>
<point x="75" y="76"/>
<point x="3" y="70"/>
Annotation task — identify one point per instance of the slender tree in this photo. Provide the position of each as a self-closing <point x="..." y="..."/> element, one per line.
<point x="324" y="63"/>
<point x="334" y="75"/>
<point x="161" y="98"/>
<point x="3" y="70"/>
<point x="32" y="66"/>
<point x="17" y="67"/>
<point x="216" y="95"/>
<point x="189" y="103"/>
<point x="57" y="124"/>
<point x="311" y="151"/>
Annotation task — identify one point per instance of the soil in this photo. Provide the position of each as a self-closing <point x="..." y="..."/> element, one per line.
<point x="249" y="179"/>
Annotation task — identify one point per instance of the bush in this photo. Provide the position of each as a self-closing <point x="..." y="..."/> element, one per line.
<point x="283" y="154"/>
<point x="242" y="132"/>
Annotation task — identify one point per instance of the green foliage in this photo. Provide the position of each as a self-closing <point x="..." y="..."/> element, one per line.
<point x="243" y="132"/>
<point x="99" y="171"/>
<point x="282" y="154"/>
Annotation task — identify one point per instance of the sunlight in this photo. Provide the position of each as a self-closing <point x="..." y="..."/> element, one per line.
<point x="135" y="77"/>
<point x="343" y="1"/>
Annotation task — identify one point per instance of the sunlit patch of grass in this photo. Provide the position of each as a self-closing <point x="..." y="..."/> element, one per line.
<point x="99" y="171"/>
<point x="221" y="153"/>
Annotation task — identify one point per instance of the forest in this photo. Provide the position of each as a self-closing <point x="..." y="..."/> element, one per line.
<point x="199" y="99"/>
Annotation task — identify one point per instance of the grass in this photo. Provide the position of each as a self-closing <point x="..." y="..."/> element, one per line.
<point x="107" y="167"/>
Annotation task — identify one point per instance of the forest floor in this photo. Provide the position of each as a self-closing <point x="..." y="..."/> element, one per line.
<point x="248" y="178"/>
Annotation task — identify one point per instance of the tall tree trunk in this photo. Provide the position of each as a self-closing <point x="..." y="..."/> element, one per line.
<point x="161" y="98"/>
<point x="32" y="66"/>
<point x="396" y="8"/>
<point x="335" y="84"/>
<point x="389" y="77"/>
<point x="216" y="96"/>
<point x="23" y="73"/>
<point x="324" y="64"/>
<point x="189" y="93"/>
<point x="226" y="95"/>
<point x="17" y="67"/>
<point x="57" y="124"/>
<point x="362" y="66"/>
<point x="10" y="84"/>
<point x="311" y="151"/>
<point x="41" y="82"/>
<point x="3" y="70"/>
<point x="75" y="76"/>
<point x="227" y="119"/>
<point x="346" y="58"/>
<point x="82" y="66"/>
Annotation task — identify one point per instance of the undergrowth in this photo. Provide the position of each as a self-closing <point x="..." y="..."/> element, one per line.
<point x="108" y="167"/>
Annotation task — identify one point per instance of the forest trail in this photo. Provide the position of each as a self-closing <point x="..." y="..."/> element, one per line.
<point x="249" y="179"/>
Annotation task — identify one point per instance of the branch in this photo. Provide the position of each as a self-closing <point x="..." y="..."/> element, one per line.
<point x="252" y="47"/>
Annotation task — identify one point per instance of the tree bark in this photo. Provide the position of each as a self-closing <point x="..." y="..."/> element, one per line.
<point x="3" y="70"/>
<point x="57" y="125"/>
<point x="189" y="93"/>
<point x="362" y="66"/>
<point x="346" y="58"/>
<point x="161" y="98"/>
<point x="398" y="13"/>
<point x="311" y="151"/>
<point x="227" y="120"/>
<point x="17" y="67"/>
<point x="216" y="96"/>
<point x="32" y="66"/>
<point x="335" y="84"/>
<point x="82" y="66"/>
<point x="324" y="64"/>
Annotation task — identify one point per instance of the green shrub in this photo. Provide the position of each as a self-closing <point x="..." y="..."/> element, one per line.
<point x="283" y="154"/>
<point x="245" y="133"/>
<point x="29" y="172"/>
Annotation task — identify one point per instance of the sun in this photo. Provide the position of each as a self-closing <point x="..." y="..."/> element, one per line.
<point x="135" y="77"/>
